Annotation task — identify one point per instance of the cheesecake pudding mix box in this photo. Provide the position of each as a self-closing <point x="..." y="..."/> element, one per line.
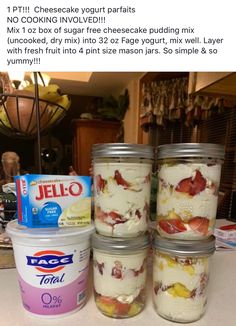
<point x="53" y="200"/>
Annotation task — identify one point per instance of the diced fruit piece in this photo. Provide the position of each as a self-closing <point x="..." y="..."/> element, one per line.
<point x="100" y="183"/>
<point x="112" y="307"/>
<point x="171" y="226"/>
<point x="189" y="269"/>
<point x="199" y="224"/>
<point x="120" y="181"/>
<point x="179" y="290"/>
<point x="106" y="305"/>
<point x="192" y="185"/>
<point x="172" y="215"/>
<point x="134" y="309"/>
<point x="122" y="308"/>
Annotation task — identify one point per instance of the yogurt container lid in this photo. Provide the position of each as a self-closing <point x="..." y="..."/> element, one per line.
<point x="20" y="231"/>
<point x="122" y="149"/>
<point x="123" y="245"/>
<point x="185" y="247"/>
<point x="190" y="150"/>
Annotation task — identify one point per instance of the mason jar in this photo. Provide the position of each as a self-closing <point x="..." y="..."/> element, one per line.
<point x="122" y="187"/>
<point x="180" y="277"/>
<point x="188" y="183"/>
<point x="119" y="272"/>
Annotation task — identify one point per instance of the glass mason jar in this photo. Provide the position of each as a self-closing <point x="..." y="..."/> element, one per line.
<point x="122" y="187"/>
<point x="119" y="272"/>
<point x="180" y="277"/>
<point x="188" y="184"/>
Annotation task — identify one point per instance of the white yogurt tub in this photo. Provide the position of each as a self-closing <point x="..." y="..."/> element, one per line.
<point x="52" y="266"/>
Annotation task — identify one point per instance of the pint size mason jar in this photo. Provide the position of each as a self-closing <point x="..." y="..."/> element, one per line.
<point x="188" y="183"/>
<point x="120" y="270"/>
<point x="180" y="277"/>
<point x="122" y="186"/>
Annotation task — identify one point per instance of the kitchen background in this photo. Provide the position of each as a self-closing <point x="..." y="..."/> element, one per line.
<point x="151" y="108"/>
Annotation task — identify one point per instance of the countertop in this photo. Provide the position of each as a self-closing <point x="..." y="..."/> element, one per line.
<point x="221" y="308"/>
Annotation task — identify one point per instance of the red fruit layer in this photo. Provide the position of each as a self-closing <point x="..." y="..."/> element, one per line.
<point x="199" y="224"/>
<point x="172" y="226"/>
<point x="192" y="186"/>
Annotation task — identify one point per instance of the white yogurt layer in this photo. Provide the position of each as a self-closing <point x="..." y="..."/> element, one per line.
<point x="188" y="303"/>
<point x="175" y="173"/>
<point x="179" y="309"/>
<point x="124" y="288"/>
<point x="123" y="200"/>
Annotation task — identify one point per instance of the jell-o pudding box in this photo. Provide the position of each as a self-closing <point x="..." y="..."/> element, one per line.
<point x="188" y="183"/>
<point x="122" y="187"/>
<point x="53" y="200"/>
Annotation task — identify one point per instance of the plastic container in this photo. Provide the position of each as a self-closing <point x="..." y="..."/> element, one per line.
<point x="180" y="277"/>
<point x="188" y="184"/>
<point x="52" y="266"/>
<point x="120" y="268"/>
<point x="122" y="187"/>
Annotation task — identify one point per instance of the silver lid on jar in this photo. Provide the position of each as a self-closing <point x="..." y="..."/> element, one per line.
<point x="190" y="150"/>
<point x="122" y="150"/>
<point x="120" y="245"/>
<point x="184" y="247"/>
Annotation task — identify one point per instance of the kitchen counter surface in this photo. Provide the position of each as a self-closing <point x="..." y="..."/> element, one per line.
<point x="221" y="309"/>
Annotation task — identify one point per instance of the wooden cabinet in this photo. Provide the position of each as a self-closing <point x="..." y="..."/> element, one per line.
<point x="212" y="83"/>
<point x="85" y="134"/>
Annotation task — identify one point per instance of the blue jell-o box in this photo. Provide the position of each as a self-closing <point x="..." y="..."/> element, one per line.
<point x="53" y="200"/>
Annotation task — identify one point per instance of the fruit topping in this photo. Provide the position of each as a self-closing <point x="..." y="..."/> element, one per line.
<point x="199" y="224"/>
<point x="193" y="185"/>
<point x="114" y="308"/>
<point x="179" y="290"/>
<point x="172" y="226"/>
<point x="99" y="266"/>
<point x="100" y="183"/>
<point x="120" y="181"/>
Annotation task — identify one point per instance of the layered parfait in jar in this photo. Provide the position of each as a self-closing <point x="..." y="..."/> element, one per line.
<point x="188" y="184"/>
<point x="180" y="279"/>
<point x="122" y="186"/>
<point x="120" y="268"/>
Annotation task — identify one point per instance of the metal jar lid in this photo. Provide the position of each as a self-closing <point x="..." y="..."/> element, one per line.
<point x="190" y="150"/>
<point x="122" y="150"/>
<point x="120" y="245"/>
<point x="185" y="247"/>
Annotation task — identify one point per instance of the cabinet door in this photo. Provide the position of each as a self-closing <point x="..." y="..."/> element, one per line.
<point x="87" y="133"/>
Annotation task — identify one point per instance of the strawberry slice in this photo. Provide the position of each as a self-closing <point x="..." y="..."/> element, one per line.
<point x="199" y="224"/>
<point x="121" y="309"/>
<point x="120" y="181"/>
<point x="172" y="226"/>
<point x="100" y="183"/>
<point x="115" y="216"/>
<point x="192" y="186"/>
<point x="100" y="214"/>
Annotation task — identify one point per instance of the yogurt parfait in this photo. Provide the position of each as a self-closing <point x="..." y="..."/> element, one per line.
<point x="180" y="278"/>
<point x="119" y="275"/>
<point x="188" y="190"/>
<point x="122" y="186"/>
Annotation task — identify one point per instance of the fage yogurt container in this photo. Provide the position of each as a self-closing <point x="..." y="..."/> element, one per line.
<point x="52" y="266"/>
